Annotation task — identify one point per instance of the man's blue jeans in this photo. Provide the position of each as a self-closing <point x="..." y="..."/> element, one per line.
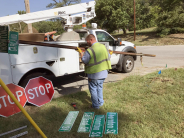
<point x="96" y="90"/>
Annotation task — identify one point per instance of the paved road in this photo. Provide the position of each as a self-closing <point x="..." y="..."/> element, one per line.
<point x="173" y="56"/>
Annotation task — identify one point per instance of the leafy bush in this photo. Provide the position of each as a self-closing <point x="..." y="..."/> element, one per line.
<point x="170" y="22"/>
<point x="48" y="26"/>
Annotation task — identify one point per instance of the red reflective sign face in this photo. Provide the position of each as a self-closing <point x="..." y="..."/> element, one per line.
<point x="39" y="91"/>
<point x="7" y="106"/>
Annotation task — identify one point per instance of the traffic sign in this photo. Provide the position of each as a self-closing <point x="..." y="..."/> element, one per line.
<point x="86" y="121"/>
<point x="69" y="121"/>
<point x="39" y="91"/>
<point x="7" y="106"/>
<point x="13" y="43"/>
<point x="98" y="126"/>
<point x="111" y="126"/>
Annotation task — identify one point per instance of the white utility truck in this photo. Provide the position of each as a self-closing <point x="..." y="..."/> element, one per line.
<point x="33" y="60"/>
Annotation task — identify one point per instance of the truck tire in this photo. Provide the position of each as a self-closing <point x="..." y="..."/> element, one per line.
<point x="26" y="79"/>
<point x="128" y="64"/>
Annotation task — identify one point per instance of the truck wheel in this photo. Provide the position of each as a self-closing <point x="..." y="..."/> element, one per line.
<point x="26" y="79"/>
<point x="128" y="64"/>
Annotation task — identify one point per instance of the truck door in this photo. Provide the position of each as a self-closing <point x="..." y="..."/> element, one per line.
<point x="105" y="37"/>
<point x="5" y="69"/>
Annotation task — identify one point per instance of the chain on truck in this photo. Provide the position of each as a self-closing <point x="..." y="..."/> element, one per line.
<point x="56" y="56"/>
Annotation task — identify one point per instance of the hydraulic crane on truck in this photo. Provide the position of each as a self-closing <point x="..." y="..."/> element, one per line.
<point x="72" y="15"/>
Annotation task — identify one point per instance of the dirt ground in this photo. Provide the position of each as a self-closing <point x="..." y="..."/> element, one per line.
<point x="151" y="39"/>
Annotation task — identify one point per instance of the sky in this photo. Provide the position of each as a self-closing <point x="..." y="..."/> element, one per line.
<point x="10" y="7"/>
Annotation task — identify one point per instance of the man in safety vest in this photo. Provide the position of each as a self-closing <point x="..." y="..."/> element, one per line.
<point x="97" y="62"/>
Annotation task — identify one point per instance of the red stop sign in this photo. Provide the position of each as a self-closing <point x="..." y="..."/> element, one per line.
<point x="39" y="91"/>
<point x="7" y="106"/>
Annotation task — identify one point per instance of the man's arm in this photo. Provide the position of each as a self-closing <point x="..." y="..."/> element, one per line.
<point x="81" y="54"/>
<point x="85" y="57"/>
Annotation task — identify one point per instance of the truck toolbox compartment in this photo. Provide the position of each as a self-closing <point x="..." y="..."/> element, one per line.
<point x="27" y="54"/>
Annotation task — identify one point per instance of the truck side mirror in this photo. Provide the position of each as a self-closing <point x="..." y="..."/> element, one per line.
<point x="118" y="42"/>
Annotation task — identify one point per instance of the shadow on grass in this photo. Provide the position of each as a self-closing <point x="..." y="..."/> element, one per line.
<point x="147" y="37"/>
<point x="69" y="84"/>
<point x="130" y="37"/>
<point x="50" y="117"/>
<point x="177" y="38"/>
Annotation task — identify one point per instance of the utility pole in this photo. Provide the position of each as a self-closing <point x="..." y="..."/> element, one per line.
<point x="134" y="22"/>
<point x="30" y="30"/>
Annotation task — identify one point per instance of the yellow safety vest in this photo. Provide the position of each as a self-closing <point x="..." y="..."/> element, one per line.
<point x="100" y="59"/>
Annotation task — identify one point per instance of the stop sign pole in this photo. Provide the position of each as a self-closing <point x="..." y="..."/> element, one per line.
<point x="21" y="108"/>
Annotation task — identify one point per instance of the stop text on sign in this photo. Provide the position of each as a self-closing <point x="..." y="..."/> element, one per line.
<point x="7" y="106"/>
<point x="6" y="98"/>
<point x="38" y="91"/>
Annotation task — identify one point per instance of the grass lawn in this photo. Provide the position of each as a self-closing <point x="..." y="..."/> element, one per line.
<point x="147" y="106"/>
<point x="148" y="37"/>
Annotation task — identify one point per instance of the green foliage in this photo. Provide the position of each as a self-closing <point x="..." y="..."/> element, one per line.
<point x="167" y="15"/>
<point x="21" y="12"/>
<point x="48" y="26"/>
<point x="44" y="26"/>
<point x="117" y="14"/>
<point x="62" y="3"/>
<point x="167" y="5"/>
<point x="145" y="15"/>
<point x="112" y="14"/>
<point x="170" y="22"/>
<point x="16" y="27"/>
<point x="76" y="27"/>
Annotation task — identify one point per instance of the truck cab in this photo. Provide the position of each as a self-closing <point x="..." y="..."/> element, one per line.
<point x="120" y="62"/>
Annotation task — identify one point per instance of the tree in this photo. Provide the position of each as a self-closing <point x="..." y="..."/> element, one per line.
<point x="48" y="26"/>
<point x="21" y="12"/>
<point x="116" y="14"/>
<point x="170" y="17"/>
<point x="112" y="15"/>
<point x="62" y="3"/>
<point x="18" y="27"/>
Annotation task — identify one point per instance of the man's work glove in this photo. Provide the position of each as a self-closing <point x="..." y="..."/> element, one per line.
<point x="110" y="52"/>
<point x="79" y="50"/>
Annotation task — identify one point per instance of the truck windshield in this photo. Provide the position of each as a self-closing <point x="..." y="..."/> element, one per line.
<point x="104" y="37"/>
<point x="82" y="35"/>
